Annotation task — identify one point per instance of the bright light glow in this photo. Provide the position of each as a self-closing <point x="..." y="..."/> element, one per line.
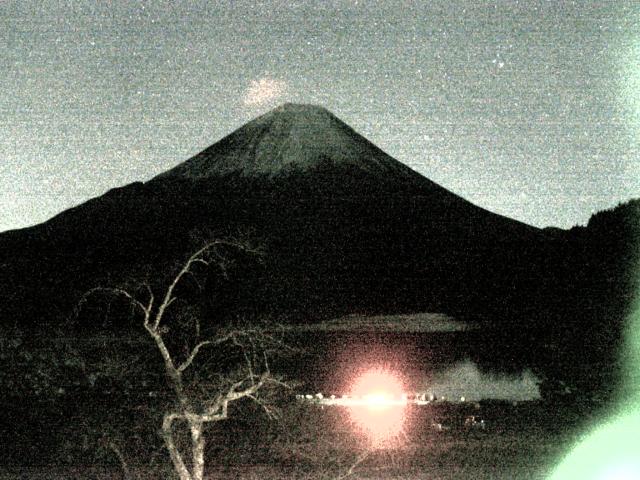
<point x="377" y="384"/>
<point x="380" y="414"/>
<point x="610" y="453"/>
<point x="377" y="400"/>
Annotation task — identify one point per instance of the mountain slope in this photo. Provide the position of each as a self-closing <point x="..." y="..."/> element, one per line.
<point x="347" y="228"/>
<point x="291" y="138"/>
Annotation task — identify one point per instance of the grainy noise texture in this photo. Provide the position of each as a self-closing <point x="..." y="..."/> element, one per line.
<point x="529" y="109"/>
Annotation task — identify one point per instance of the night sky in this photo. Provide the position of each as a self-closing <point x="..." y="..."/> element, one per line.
<point x="530" y="109"/>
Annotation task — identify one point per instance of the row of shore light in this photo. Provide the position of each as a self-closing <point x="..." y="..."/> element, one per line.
<point x="374" y="399"/>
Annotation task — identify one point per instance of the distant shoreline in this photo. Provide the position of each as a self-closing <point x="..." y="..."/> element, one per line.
<point x="400" y="323"/>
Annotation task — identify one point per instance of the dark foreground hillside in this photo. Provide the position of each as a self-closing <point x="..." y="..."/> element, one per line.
<point x="519" y="442"/>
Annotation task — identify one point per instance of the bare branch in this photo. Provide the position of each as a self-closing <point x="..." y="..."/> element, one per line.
<point x="151" y="297"/>
<point x="219" y="409"/>
<point x="146" y="309"/>
<point x="201" y="260"/>
<point x="195" y="258"/>
<point x="123" y="463"/>
<point x="359" y="459"/>
<point x="194" y="352"/>
<point x="184" y="365"/>
<point x="234" y="394"/>
<point x="246" y="358"/>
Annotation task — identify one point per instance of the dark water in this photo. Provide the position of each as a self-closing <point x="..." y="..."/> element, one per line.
<point x="329" y="360"/>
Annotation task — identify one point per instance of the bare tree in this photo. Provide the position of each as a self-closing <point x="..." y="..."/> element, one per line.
<point x="201" y="400"/>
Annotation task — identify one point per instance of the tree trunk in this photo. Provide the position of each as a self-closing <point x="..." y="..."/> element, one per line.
<point x="197" y="446"/>
<point x="176" y="458"/>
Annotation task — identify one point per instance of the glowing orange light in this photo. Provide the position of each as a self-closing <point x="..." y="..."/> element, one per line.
<point x="378" y="407"/>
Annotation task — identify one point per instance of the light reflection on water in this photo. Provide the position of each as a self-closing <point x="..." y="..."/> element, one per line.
<point x="382" y="425"/>
<point x="380" y="417"/>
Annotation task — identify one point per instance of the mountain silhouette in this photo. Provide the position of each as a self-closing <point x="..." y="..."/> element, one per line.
<point x="346" y="230"/>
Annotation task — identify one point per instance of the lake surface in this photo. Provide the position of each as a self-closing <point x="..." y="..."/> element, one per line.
<point x="473" y="360"/>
